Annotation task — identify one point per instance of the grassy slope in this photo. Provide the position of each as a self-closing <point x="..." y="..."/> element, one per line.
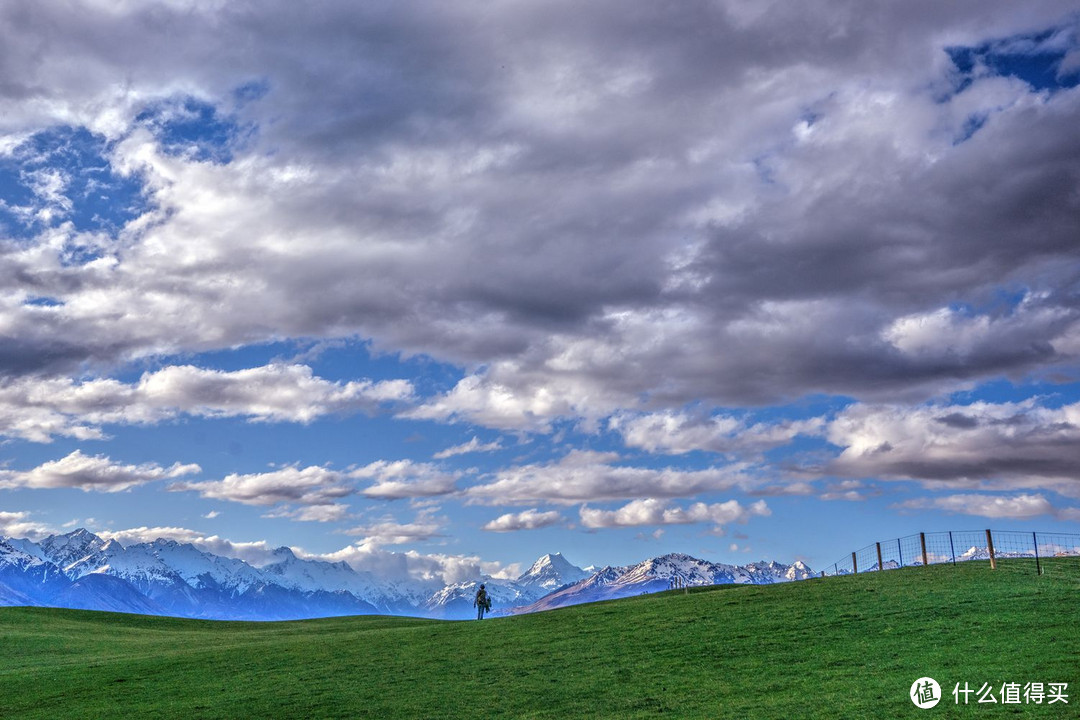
<point x="846" y="647"/>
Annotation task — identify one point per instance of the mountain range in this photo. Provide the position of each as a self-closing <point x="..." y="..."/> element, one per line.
<point x="164" y="577"/>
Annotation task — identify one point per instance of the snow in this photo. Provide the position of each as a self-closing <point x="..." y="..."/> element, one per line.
<point x="181" y="579"/>
<point x="551" y="571"/>
<point x="14" y="556"/>
<point x="294" y="573"/>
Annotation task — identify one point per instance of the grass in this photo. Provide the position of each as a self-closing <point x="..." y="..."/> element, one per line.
<point x="846" y="647"/>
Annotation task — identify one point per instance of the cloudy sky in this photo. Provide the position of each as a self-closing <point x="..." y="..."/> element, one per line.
<point x="440" y="287"/>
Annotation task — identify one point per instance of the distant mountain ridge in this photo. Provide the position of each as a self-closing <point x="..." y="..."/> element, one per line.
<point x="660" y="573"/>
<point x="164" y="577"/>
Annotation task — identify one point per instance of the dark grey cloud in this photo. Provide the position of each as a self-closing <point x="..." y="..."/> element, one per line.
<point x="592" y="207"/>
<point x="958" y="420"/>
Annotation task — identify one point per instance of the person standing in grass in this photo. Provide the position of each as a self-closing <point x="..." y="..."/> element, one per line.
<point x="482" y="603"/>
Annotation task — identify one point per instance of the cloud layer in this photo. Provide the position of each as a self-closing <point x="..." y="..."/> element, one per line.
<point x="820" y="239"/>
<point x="1004" y="446"/>
<point x="96" y="473"/>
<point x="643" y="224"/>
<point x="583" y="476"/>
<point x="531" y="519"/>
<point x="317" y="490"/>
<point x="1018" y="507"/>
<point x="650" y="511"/>
<point x="39" y="409"/>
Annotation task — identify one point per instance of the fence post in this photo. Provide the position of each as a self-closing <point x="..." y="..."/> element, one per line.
<point x="880" y="565"/>
<point x="990" y="547"/>
<point x="952" y="548"/>
<point x="922" y="540"/>
<point x="1038" y="565"/>
<point x="854" y="564"/>
<point x="900" y="552"/>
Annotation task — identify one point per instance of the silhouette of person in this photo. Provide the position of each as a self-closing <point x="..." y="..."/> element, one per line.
<point x="482" y="603"/>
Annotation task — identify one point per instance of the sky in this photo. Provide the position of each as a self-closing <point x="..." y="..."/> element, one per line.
<point x="436" y="288"/>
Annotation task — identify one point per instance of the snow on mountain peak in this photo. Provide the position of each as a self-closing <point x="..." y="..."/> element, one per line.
<point x="551" y="571"/>
<point x="70" y="548"/>
<point x="179" y="578"/>
<point x="284" y="552"/>
<point x="12" y="554"/>
<point x="76" y="538"/>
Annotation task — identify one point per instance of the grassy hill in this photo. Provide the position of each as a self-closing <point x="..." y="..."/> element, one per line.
<point x="846" y="647"/>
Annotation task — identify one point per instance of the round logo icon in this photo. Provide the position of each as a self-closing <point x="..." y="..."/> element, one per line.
<point x="925" y="692"/>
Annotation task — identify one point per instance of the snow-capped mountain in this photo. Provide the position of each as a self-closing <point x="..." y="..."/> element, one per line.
<point x="456" y="601"/>
<point x="548" y="573"/>
<point x="164" y="577"/>
<point x="661" y="573"/>
<point x="65" y="550"/>
<point x="302" y="575"/>
<point x="975" y="553"/>
<point x="297" y="574"/>
<point x="98" y="591"/>
<point x="24" y="575"/>
<point x="551" y="572"/>
<point x="772" y="572"/>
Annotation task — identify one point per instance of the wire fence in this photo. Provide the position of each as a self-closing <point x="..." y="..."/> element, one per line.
<point x="956" y="546"/>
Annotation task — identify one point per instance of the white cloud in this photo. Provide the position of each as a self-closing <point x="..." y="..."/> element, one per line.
<point x="992" y="446"/>
<point x="850" y="490"/>
<point x="472" y="446"/>
<point x="19" y="525"/>
<point x="436" y="570"/>
<point x="487" y="402"/>
<point x="272" y="393"/>
<point x="405" y="479"/>
<point x="256" y="553"/>
<point x="38" y="409"/>
<point x="531" y="519"/>
<point x="550" y="227"/>
<point x="678" y="433"/>
<point x="653" y="511"/>
<point x="949" y="335"/>
<point x="91" y="473"/>
<point x="1016" y="507"/>
<point x="310" y="486"/>
<point x="790" y="487"/>
<point x="582" y="476"/>
<point x="666" y="258"/>
<point x="314" y="493"/>
<point x="390" y="532"/>
<point x="331" y="512"/>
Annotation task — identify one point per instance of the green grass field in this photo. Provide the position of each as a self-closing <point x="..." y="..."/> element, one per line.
<point x="846" y="647"/>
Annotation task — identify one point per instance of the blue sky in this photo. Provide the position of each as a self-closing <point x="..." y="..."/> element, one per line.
<point x="435" y="291"/>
